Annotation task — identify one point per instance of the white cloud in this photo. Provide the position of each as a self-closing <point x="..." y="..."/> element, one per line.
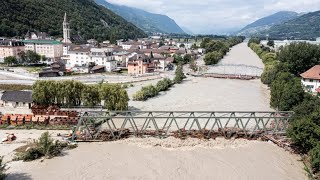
<point x="203" y="16"/>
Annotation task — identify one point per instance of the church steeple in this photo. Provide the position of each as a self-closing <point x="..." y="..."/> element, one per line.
<point x="66" y="30"/>
<point x="65" y="17"/>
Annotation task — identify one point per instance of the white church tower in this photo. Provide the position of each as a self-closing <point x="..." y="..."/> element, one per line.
<point x="66" y="30"/>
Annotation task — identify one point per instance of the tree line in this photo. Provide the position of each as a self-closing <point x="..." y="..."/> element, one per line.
<point x="216" y="49"/>
<point x="73" y="93"/>
<point x="282" y="75"/>
<point x="150" y="91"/>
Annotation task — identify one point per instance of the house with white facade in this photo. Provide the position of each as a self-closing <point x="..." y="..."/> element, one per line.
<point x="103" y="57"/>
<point x="78" y="56"/>
<point x="187" y="45"/>
<point x="311" y="79"/>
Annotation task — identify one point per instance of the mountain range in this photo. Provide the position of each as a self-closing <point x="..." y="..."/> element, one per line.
<point x="285" y="25"/>
<point x="149" y="22"/>
<point x="87" y="19"/>
<point x="306" y="26"/>
<point x="265" y="23"/>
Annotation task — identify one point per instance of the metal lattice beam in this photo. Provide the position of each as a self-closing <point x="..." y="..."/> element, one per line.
<point x="166" y="123"/>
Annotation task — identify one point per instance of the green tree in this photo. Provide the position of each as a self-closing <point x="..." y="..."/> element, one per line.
<point x="187" y="58"/>
<point x="32" y="57"/>
<point x="254" y="40"/>
<point x="204" y="42"/>
<point x="182" y="46"/>
<point x="300" y="57"/>
<point x="161" y="43"/>
<point x="114" y="96"/>
<point x="194" y="46"/>
<point x="315" y="158"/>
<point x="164" y="84"/>
<point x="177" y="59"/>
<point x="304" y="133"/>
<point x="43" y="58"/>
<point x="10" y="60"/>
<point x="212" y="58"/>
<point x="270" y="43"/>
<point x="45" y="143"/>
<point x="286" y="92"/>
<point x="91" y="96"/>
<point x="179" y="75"/>
<point x="2" y="169"/>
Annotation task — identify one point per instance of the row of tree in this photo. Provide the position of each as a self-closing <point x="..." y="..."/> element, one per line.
<point x="281" y="73"/>
<point x="216" y="49"/>
<point x="73" y="93"/>
<point x="150" y="91"/>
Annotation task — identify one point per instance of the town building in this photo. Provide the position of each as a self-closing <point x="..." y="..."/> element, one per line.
<point x="37" y="36"/>
<point x="164" y="64"/>
<point x="10" y="48"/>
<point x="21" y="100"/>
<point x="49" y="48"/>
<point x="140" y="65"/>
<point x="78" y="56"/>
<point x="103" y="57"/>
<point x="311" y="79"/>
<point x="186" y="45"/>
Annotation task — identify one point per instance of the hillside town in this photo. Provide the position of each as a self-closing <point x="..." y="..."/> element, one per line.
<point x="73" y="54"/>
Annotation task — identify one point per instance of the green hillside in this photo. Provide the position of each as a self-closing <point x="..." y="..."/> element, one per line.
<point x="86" y="18"/>
<point x="304" y="27"/>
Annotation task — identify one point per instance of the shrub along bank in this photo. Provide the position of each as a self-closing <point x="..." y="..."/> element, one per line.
<point x="216" y="49"/>
<point x="45" y="146"/>
<point x="281" y="74"/>
<point x="150" y="91"/>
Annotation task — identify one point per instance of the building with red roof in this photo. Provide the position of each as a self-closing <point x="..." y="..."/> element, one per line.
<point x="311" y="79"/>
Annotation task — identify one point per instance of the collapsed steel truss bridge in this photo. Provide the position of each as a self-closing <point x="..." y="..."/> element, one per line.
<point x="115" y="125"/>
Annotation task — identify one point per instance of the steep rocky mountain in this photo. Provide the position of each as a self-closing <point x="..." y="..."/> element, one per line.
<point x="149" y="22"/>
<point x="267" y="22"/>
<point x="87" y="19"/>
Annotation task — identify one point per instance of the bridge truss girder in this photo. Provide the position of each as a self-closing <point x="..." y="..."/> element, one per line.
<point x="162" y="124"/>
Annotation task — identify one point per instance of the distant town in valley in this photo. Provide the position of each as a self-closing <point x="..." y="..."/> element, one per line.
<point x="104" y="89"/>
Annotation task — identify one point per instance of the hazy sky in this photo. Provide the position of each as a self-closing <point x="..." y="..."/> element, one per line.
<point x="203" y="16"/>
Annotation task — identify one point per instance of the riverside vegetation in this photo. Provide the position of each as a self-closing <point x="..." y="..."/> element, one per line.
<point x="73" y="93"/>
<point x="281" y="74"/>
<point x="2" y="170"/>
<point x="150" y="91"/>
<point x="45" y="146"/>
<point x="216" y="49"/>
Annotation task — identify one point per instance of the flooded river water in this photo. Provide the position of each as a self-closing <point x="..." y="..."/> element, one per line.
<point x="209" y="94"/>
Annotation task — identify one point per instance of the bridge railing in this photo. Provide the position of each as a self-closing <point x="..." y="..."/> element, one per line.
<point x="107" y="125"/>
